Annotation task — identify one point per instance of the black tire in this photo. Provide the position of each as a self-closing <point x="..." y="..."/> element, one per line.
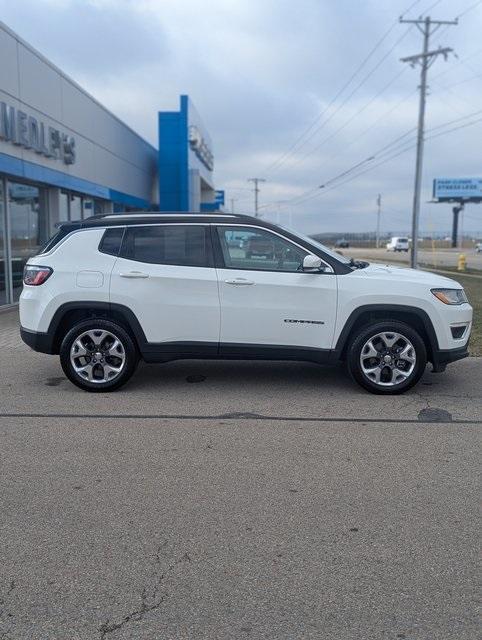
<point x="127" y="350"/>
<point x="359" y="341"/>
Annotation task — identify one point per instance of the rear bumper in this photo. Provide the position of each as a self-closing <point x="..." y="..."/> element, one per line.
<point x="37" y="341"/>
<point x="442" y="357"/>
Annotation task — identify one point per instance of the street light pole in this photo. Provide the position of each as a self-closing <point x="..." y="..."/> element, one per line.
<point x="379" y="211"/>
<point x="256" y="181"/>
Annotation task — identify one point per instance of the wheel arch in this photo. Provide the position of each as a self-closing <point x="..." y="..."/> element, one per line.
<point x="416" y="318"/>
<point x="70" y="313"/>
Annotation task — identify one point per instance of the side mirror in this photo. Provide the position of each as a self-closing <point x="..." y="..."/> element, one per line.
<point x="312" y="263"/>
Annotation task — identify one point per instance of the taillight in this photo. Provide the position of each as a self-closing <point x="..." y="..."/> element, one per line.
<point x="34" y="276"/>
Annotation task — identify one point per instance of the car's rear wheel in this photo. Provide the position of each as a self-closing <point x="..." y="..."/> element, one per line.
<point x="387" y="357"/>
<point x="98" y="355"/>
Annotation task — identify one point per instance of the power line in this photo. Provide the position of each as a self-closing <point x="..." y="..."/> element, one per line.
<point x="473" y="6"/>
<point x="392" y="157"/>
<point x="300" y="141"/>
<point x="461" y="15"/>
<point x="456" y="84"/>
<point x="317" y="147"/>
<point x="456" y="64"/>
<point x="386" y="156"/>
<point x="296" y="161"/>
<point x="462" y="126"/>
<point x="449" y="122"/>
<point x="347" y="122"/>
<point x="380" y="152"/>
<point x="281" y="159"/>
<point x="402" y="150"/>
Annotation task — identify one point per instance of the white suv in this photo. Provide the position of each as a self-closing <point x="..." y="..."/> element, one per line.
<point x="110" y="290"/>
<point x="398" y="244"/>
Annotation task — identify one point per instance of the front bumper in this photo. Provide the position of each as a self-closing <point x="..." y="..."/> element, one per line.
<point x="442" y="357"/>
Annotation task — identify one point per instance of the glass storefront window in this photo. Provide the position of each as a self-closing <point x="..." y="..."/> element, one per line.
<point x="75" y="207"/>
<point x="63" y="206"/>
<point x="25" y="227"/>
<point x="98" y="207"/>
<point x="3" y="257"/>
<point x="28" y="218"/>
<point x="87" y="208"/>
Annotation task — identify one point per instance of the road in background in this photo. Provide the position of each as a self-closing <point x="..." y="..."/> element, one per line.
<point x="437" y="258"/>
<point x="236" y="500"/>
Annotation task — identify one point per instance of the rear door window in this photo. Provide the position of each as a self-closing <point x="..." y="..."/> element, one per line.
<point x="182" y="245"/>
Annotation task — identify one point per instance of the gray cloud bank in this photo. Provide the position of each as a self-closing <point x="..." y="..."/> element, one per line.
<point x="261" y="72"/>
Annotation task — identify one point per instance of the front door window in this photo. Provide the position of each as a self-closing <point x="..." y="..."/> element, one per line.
<point x="250" y="248"/>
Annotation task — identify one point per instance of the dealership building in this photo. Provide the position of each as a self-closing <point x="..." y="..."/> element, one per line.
<point x="64" y="156"/>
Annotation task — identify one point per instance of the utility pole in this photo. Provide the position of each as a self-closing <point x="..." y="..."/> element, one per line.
<point x="427" y="27"/>
<point x="379" y="211"/>
<point x="256" y="181"/>
<point x="232" y="201"/>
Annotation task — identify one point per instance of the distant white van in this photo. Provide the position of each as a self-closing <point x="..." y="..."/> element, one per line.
<point x="398" y="244"/>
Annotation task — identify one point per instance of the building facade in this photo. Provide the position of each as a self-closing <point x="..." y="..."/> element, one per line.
<point x="63" y="156"/>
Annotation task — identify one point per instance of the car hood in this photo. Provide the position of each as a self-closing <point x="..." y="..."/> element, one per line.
<point x="395" y="273"/>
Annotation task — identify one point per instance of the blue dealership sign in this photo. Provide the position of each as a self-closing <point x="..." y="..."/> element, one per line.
<point x="219" y="199"/>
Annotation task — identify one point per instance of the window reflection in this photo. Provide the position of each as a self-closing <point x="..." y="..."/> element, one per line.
<point x="87" y="208"/>
<point x="28" y="227"/>
<point x="3" y="280"/>
<point x="75" y="207"/>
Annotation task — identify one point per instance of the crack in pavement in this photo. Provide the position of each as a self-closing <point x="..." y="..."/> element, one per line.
<point x="5" y="635"/>
<point x="237" y="416"/>
<point x="149" y="601"/>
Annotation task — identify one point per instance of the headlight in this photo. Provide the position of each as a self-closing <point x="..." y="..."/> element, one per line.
<point x="450" y="296"/>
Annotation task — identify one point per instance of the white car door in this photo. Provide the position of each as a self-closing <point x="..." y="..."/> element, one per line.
<point x="165" y="276"/>
<point x="265" y="297"/>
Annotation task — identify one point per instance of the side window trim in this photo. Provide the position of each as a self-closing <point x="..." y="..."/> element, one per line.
<point x="219" y="256"/>
<point x="125" y="250"/>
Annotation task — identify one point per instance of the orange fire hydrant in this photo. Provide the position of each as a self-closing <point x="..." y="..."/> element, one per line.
<point x="462" y="263"/>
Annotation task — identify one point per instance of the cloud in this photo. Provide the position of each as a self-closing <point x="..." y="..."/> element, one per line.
<point x="260" y="73"/>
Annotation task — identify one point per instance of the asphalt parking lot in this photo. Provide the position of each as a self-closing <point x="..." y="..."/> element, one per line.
<point x="210" y="500"/>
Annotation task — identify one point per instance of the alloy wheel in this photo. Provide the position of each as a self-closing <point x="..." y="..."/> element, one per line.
<point x="97" y="356"/>
<point x="388" y="358"/>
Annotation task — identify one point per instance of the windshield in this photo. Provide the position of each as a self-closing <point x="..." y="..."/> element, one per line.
<point x="318" y="245"/>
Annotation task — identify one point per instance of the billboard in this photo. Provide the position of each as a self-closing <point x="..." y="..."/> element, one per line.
<point x="457" y="189"/>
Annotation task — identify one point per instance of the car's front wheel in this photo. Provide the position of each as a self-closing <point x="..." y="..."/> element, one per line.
<point x="98" y="355"/>
<point x="387" y="357"/>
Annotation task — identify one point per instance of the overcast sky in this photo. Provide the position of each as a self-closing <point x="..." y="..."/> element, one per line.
<point x="262" y="72"/>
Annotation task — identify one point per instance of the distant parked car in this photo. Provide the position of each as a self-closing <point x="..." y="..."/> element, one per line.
<point x="398" y="244"/>
<point x="342" y="244"/>
<point x="256" y="246"/>
<point x="478" y="247"/>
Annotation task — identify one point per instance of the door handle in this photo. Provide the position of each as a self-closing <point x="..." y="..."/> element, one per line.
<point x="134" y="274"/>
<point x="239" y="281"/>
